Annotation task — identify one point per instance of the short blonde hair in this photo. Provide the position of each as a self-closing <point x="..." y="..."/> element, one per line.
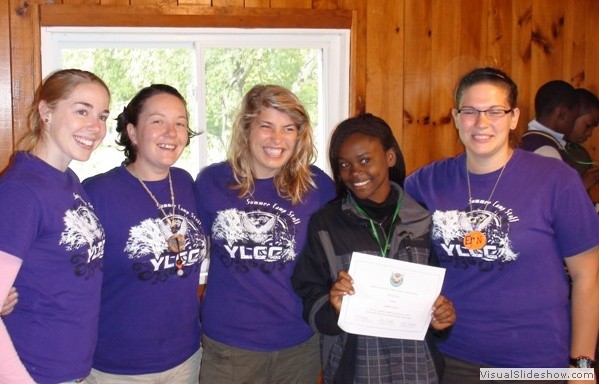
<point x="294" y="179"/>
<point x="56" y="87"/>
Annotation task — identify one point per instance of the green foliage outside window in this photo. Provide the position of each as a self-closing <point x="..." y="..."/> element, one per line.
<point x="229" y="74"/>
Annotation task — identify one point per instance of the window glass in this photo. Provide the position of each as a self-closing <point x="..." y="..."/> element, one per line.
<point x="212" y="70"/>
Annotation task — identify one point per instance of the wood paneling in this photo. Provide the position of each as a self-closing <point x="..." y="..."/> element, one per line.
<point x="384" y="74"/>
<point x="406" y="55"/>
<point x="306" y="4"/>
<point x="6" y="135"/>
<point x="227" y="3"/>
<point x="25" y="64"/>
<point x="443" y="74"/>
<point x="521" y="59"/>
<point x="547" y="42"/>
<point x="418" y="133"/>
<point x="324" y="4"/>
<point x="115" y="2"/>
<point x="81" y="2"/>
<point x="574" y="45"/>
<point x="257" y="3"/>
<point x="358" y="53"/>
<point x="192" y="16"/>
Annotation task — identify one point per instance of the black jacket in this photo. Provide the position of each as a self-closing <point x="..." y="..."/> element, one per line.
<point x="335" y="232"/>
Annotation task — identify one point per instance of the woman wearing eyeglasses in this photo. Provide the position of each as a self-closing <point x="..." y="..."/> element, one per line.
<point x="504" y="223"/>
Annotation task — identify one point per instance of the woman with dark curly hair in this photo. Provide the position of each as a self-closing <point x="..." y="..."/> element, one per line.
<point x="155" y="244"/>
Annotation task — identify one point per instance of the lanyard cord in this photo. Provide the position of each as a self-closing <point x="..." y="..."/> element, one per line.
<point x="375" y="233"/>
<point x="572" y="157"/>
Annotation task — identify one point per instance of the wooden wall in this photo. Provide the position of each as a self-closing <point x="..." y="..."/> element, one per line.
<point x="406" y="54"/>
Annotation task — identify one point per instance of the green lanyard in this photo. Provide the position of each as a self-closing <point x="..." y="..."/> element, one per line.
<point x="375" y="233"/>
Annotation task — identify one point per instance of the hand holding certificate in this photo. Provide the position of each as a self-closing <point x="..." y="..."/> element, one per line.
<point x="392" y="298"/>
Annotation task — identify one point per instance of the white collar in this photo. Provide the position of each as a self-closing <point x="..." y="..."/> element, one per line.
<point x="534" y="125"/>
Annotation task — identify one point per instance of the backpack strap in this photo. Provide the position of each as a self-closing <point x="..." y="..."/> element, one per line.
<point x="546" y="136"/>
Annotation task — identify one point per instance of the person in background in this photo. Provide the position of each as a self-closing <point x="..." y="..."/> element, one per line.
<point x="155" y="244"/>
<point x="51" y="242"/>
<point x="564" y="120"/>
<point x="556" y="106"/>
<point x="372" y="215"/>
<point x="256" y="206"/>
<point x="503" y="231"/>
<point x="577" y="155"/>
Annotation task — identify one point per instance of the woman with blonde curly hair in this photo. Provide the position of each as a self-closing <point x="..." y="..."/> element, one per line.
<point x="293" y="177"/>
<point x="256" y="207"/>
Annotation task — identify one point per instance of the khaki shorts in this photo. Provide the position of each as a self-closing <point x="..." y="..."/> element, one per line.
<point x="187" y="372"/>
<point x="224" y="364"/>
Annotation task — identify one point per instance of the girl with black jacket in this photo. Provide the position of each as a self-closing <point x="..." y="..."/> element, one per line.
<point x="372" y="215"/>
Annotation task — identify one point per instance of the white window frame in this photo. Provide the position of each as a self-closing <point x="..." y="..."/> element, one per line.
<point x="335" y="44"/>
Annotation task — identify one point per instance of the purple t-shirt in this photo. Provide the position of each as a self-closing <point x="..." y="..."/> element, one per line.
<point x="510" y="295"/>
<point x="149" y="315"/>
<point x="255" y="241"/>
<point x="48" y="222"/>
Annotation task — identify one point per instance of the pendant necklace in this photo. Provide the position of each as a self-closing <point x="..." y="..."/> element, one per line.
<point x="383" y="247"/>
<point x="176" y="241"/>
<point x="475" y="239"/>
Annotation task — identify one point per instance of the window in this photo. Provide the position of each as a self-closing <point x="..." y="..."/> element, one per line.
<point x="212" y="68"/>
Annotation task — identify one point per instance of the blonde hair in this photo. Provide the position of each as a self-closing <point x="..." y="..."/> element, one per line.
<point x="294" y="179"/>
<point x="56" y="87"/>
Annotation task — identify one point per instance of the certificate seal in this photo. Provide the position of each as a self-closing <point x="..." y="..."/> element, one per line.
<point x="396" y="279"/>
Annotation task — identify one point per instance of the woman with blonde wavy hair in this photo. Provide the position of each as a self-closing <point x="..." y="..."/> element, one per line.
<point x="293" y="179"/>
<point x="256" y="207"/>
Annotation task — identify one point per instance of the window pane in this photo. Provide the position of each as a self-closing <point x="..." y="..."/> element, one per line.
<point x="229" y="74"/>
<point x="212" y="68"/>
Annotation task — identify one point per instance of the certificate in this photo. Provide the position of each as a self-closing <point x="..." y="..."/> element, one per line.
<point x="392" y="298"/>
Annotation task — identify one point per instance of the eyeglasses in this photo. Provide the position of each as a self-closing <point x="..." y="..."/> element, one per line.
<point x="492" y="114"/>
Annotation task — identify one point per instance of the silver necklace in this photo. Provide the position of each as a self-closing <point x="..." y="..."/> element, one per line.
<point x="176" y="242"/>
<point x="492" y="191"/>
<point x="475" y="239"/>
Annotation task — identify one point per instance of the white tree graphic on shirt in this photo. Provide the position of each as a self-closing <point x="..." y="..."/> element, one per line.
<point x="82" y="227"/>
<point x="147" y="238"/>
